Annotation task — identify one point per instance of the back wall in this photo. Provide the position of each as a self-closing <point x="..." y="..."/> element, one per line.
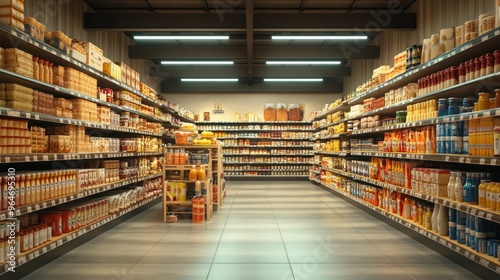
<point x="248" y="102"/>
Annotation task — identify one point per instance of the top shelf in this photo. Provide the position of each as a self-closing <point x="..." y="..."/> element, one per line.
<point x="38" y="48"/>
<point x="484" y="43"/>
<point x="254" y="123"/>
<point x="342" y="107"/>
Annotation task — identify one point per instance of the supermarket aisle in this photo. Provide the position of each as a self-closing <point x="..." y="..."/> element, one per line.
<point x="266" y="230"/>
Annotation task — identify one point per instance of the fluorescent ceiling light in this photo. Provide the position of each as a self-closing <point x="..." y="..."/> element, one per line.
<point x="303" y="62"/>
<point x="175" y="37"/>
<point x="333" y="37"/>
<point x="197" y="62"/>
<point x="293" y="80"/>
<point x="208" y="80"/>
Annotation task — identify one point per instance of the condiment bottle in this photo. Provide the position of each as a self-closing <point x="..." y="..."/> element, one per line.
<point x="483" y="101"/>
<point x="28" y="189"/>
<point x="496" y="54"/>
<point x="482" y="193"/>
<point x="490" y="63"/>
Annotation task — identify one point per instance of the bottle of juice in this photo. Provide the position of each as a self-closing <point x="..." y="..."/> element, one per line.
<point x="193" y="174"/>
<point x="498" y="197"/>
<point x="459" y="196"/>
<point x="488" y="194"/>
<point x="482" y="193"/>
<point x="201" y="173"/>
<point x="493" y="196"/>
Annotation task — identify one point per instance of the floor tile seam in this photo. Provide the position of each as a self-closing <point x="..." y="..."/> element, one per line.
<point x="222" y="234"/>
<point x="283" y="242"/>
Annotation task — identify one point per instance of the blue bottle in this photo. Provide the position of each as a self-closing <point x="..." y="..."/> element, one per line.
<point x="467" y="189"/>
<point x="452" y="222"/>
<point x="461" y="226"/>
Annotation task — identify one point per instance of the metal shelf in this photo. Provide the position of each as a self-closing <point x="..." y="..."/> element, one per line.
<point x="482" y="259"/>
<point x="60" y="120"/>
<point x="25" y="209"/>
<point x="342" y="106"/>
<point x="458" y="158"/>
<point x="41" y="49"/>
<point x="19" y="158"/>
<point x="65" y="238"/>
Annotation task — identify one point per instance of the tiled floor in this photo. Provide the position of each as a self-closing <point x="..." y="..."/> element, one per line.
<point x="275" y="230"/>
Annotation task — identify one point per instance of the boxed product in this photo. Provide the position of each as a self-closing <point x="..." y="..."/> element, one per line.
<point x="17" y="4"/>
<point x="94" y="56"/>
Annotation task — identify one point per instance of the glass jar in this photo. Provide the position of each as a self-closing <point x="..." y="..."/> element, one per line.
<point x="468" y="102"/>
<point x="483" y="65"/>
<point x="477" y="67"/>
<point x="454" y="105"/>
<point x="483" y="102"/>
<point x="497" y="98"/>
<point x="462" y="72"/>
<point x="490" y="63"/>
<point x="442" y="107"/>
<point x="496" y="54"/>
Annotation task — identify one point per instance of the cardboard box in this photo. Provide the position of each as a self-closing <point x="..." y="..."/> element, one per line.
<point x="94" y="56"/>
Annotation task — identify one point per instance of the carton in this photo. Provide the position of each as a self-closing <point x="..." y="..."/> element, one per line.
<point x="94" y="56"/>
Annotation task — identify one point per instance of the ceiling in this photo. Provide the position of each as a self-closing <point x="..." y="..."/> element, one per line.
<point x="250" y="25"/>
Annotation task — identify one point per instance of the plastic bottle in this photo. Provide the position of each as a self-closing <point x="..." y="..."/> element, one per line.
<point x="461" y="223"/>
<point x="434" y="218"/>
<point x="459" y="195"/>
<point x="428" y="218"/>
<point x="467" y="229"/>
<point x="442" y="221"/>
<point x="28" y="188"/>
<point x="482" y="193"/>
<point x="201" y="173"/>
<point x="472" y="234"/>
<point x="193" y="174"/>
<point x="197" y="189"/>
<point x="493" y="196"/>
<point x="496" y="137"/>
<point x="467" y="188"/>
<point x="452" y="222"/>
<point x="451" y="186"/>
<point x="488" y="194"/>
<point x="498" y="197"/>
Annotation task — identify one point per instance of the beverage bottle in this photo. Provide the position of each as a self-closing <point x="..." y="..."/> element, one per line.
<point x="459" y="195"/>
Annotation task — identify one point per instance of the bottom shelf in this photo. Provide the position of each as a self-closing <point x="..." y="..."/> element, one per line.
<point x="58" y="241"/>
<point x="486" y="261"/>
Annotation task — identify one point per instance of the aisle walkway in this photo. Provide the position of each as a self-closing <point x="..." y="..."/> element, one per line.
<point x="276" y="230"/>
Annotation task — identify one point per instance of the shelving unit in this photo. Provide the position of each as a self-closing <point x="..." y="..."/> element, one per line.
<point x="487" y="261"/>
<point x="345" y="154"/>
<point x="278" y="139"/>
<point x="169" y="205"/>
<point x="219" y="184"/>
<point x="35" y="162"/>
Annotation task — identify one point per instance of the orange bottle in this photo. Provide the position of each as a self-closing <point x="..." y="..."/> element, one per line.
<point x="201" y="173"/>
<point x="193" y="174"/>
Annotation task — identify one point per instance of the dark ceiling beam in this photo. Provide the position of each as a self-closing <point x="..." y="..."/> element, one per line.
<point x="249" y="26"/>
<point x="205" y="5"/>
<point x="172" y="85"/>
<point x="259" y="52"/>
<point x="237" y="22"/>
<point x="258" y="70"/>
<point x="303" y="5"/>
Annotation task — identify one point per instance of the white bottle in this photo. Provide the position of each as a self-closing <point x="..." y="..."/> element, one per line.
<point x="442" y="221"/>
<point x="434" y="218"/>
<point x="459" y="194"/>
<point x="451" y="186"/>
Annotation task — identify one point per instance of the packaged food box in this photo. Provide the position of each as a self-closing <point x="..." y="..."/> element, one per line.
<point x="17" y="4"/>
<point x="19" y="105"/>
<point x="12" y="12"/>
<point x="94" y="56"/>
